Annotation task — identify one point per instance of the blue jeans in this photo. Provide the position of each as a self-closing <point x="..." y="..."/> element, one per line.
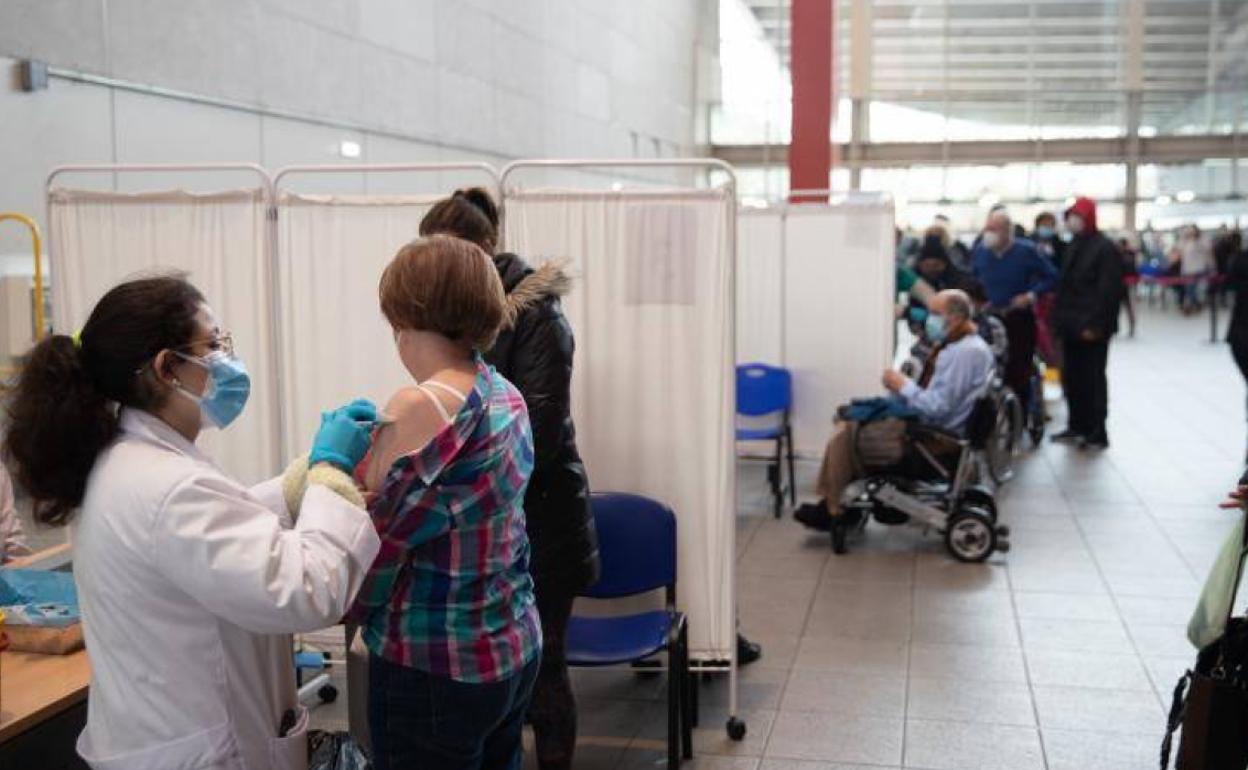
<point x="427" y="722"/>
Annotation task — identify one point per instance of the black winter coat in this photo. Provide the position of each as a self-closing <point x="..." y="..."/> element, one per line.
<point x="534" y="351"/>
<point x="1089" y="290"/>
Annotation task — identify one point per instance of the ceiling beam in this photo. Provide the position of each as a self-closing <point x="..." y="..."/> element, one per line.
<point x="1160" y="150"/>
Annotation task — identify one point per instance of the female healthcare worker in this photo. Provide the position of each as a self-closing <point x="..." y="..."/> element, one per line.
<point x="189" y="582"/>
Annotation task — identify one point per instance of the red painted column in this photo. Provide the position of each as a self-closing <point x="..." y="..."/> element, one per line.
<point x="811" y="64"/>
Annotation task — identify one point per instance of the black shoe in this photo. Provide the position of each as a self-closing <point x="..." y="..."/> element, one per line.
<point x="747" y="652"/>
<point x="1095" y="441"/>
<point x="1067" y="435"/>
<point x="815" y="516"/>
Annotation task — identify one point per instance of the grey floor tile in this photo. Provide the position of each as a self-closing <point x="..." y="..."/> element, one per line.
<point x="814" y="736"/>
<point x="967" y="662"/>
<point x="991" y="631"/>
<point x="1046" y="579"/>
<point x="613" y="719"/>
<point x="758" y="687"/>
<point x="1076" y="750"/>
<point x="604" y="684"/>
<point x="981" y="702"/>
<point x="881" y="657"/>
<point x="962" y="746"/>
<point x="871" y="568"/>
<point x="1065" y="606"/>
<point x="845" y="693"/>
<point x="1168" y="586"/>
<point x="800" y="764"/>
<point x="938" y="571"/>
<point x="1087" y="635"/>
<point x="779" y="649"/>
<point x="1165" y="672"/>
<point x="651" y="759"/>
<point x="1076" y="668"/>
<point x="1159" y="641"/>
<point x="1085" y="708"/>
<point x="711" y="737"/>
<point x="1156" y="610"/>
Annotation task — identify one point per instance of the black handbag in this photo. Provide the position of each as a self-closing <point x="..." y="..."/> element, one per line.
<point x="1211" y="701"/>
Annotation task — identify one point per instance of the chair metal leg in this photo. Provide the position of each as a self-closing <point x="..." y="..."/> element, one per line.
<point x="777" y="476"/>
<point x="686" y="718"/>
<point x="673" y="704"/>
<point x="788" y="440"/>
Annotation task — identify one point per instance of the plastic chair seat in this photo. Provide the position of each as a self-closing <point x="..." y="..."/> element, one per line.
<point x="617" y="640"/>
<point x="760" y="434"/>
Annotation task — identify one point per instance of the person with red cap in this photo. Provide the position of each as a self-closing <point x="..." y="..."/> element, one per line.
<point x="1085" y="317"/>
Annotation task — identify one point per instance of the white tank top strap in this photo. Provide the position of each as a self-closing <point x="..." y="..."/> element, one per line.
<point x="427" y="387"/>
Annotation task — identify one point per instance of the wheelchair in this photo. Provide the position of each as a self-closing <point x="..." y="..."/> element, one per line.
<point x="943" y="493"/>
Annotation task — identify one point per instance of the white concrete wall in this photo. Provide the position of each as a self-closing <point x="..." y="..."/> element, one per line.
<point x="418" y="79"/>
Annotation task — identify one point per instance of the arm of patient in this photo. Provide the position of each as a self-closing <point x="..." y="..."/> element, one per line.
<point x="414" y="422"/>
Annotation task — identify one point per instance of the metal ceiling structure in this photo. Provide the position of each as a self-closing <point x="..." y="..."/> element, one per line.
<point x="1046" y="62"/>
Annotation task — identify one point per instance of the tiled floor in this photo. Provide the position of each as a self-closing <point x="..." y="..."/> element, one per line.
<point x="1060" y="654"/>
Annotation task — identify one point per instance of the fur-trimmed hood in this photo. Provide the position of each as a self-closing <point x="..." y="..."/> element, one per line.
<point x="526" y="286"/>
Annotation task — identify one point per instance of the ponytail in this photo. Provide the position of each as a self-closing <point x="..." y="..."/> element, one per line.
<point x="470" y="215"/>
<point x="64" y="409"/>
<point x="59" y="423"/>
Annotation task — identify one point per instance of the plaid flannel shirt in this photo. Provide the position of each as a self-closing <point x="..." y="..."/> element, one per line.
<point x="450" y="592"/>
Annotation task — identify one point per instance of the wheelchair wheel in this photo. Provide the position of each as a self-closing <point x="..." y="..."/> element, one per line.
<point x="979" y="498"/>
<point x="970" y="535"/>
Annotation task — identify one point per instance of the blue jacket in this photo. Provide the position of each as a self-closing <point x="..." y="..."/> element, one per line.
<point x="1018" y="270"/>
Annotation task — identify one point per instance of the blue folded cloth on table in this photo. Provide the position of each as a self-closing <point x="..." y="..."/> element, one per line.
<point x="32" y="597"/>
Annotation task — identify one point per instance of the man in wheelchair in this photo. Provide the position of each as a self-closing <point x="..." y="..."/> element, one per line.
<point x="940" y="401"/>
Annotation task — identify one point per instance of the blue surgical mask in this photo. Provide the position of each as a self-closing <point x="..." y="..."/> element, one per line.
<point x="227" y="390"/>
<point x="1045" y="232"/>
<point x="934" y="327"/>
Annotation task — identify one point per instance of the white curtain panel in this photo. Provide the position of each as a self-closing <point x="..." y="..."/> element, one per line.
<point x="760" y="286"/>
<point x="101" y="239"/>
<point x="653" y="398"/>
<point x="335" y="344"/>
<point x="838" y="310"/>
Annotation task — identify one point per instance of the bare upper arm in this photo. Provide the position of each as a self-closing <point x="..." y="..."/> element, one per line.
<point x="415" y="422"/>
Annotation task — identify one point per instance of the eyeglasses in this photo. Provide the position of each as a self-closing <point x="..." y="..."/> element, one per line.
<point x="220" y="343"/>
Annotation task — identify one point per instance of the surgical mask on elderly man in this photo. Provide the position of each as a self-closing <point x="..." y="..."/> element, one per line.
<point x="991" y="239"/>
<point x="934" y="327"/>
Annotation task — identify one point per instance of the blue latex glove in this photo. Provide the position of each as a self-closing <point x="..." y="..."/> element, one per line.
<point x="344" y="435"/>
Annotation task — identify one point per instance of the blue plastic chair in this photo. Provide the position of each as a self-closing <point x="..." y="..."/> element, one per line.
<point x="637" y="546"/>
<point x="768" y="390"/>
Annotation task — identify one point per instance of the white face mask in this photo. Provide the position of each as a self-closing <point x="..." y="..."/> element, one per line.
<point x="991" y="239"/>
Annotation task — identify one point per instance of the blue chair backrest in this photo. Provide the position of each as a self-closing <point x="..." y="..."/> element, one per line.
<point x="763" y="389"/>
<point x="636" y="542"/>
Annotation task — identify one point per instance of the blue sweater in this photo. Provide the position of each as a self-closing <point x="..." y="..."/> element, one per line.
<point x="1018" y="270"/>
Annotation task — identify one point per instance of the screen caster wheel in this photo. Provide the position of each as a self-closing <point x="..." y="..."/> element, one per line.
<point x="327" y="694"/>
<point x="736" y="729"/>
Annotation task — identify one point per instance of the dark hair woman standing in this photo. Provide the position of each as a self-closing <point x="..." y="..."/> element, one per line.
<point x="534" y="351"/>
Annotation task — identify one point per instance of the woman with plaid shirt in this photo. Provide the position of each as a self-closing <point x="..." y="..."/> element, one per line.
<point x="447" y="610"/>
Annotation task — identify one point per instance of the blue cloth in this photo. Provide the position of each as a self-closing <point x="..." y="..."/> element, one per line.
<point x="862" y="410"/>
<point x="963" y="371"/>
<point x="39" y="597"/>
<point x="1017" y="270"/>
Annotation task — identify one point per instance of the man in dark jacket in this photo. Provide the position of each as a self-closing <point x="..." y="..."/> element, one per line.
<point x="1085" y="317"/>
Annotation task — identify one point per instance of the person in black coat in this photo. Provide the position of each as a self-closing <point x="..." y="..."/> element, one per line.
<point x="1085" y="317"/>
<point x="535" y="351"/>
<point x="1237" y="334"/>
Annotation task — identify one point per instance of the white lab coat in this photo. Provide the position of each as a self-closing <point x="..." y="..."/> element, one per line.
<point x="190" y="584"/>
